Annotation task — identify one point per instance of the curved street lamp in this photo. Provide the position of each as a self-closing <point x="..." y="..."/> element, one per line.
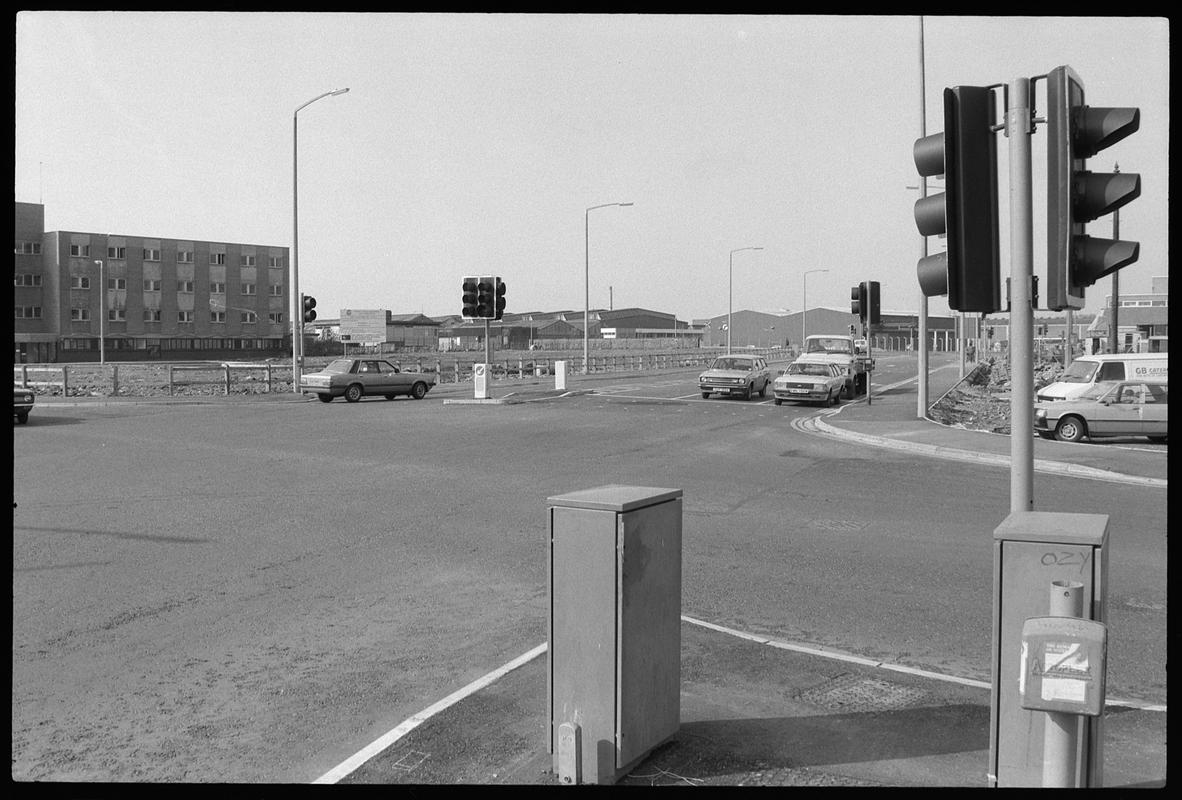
<point x="587" y="278"/>
<point x="731" y="293"/>
<point x="804" y="310"/>
<point x="297" y="317"/>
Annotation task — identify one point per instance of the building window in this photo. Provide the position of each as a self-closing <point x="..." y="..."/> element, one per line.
<point x="217" y="258"/>
<point x="79" y="282"/>
<point x="184" y="256"/>
<point x="151" y="284"/>
<point x="26" y="280"/>
<point x="249" y="317"/>
<point x="116" y="252"/>
<point x="151" y="254"/>
<point x="217" y="288"/>
<point x="116" y="284"/>
<point x="28" y="249"/>
<point x="184" y="316"/>
<point x="80" y="250"/>
<point x="248" y="288"/>
<point x="185" y="287"/>
<point x="116" y="315"/>
<point x="28" y="312"/>
<point x="276" y="290"/>
<point x="80" y="315"/>
<point x="276" y="317"/>
<point x="275" y="261"/>
<point x="217" y="316"/>
<point x="246" y="261"/>
<point x="151" y="315"/>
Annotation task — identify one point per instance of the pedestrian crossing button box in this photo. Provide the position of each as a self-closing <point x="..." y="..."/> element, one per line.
<point x="1064" y="661"/>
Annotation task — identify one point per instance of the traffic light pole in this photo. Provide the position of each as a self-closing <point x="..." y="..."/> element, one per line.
<point x="921" y="348"/>
<point x="1018" y="129"/>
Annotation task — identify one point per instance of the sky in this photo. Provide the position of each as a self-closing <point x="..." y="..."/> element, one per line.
<point x="475" y="144"/>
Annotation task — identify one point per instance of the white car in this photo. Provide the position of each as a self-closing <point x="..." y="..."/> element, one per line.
<point x="809" y="383"/>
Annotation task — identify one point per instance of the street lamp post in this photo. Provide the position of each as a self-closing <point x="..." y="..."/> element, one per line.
<point x="297" y="317"/>
<point x="731" y="295"/>
<point x="102" y="311"/>
<point x="804" y="302"/>
<point x="587" y="279"/>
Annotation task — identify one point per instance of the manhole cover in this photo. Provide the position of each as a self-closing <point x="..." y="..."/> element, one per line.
<point x="857" y="693"/>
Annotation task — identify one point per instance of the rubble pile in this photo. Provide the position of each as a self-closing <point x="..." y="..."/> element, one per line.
<point x="981" y="401"/>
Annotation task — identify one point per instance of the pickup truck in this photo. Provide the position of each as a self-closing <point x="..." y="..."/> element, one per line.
<point x="838" y="349"/>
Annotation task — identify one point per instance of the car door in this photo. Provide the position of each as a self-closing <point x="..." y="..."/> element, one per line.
<point x="1122" y="414"/>
<point x="369" y="376"/>
<point x="1154" y="410"/>
<point x="392" y="379"/>
<point x="764" y="373"/>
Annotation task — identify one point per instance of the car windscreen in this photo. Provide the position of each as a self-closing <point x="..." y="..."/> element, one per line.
<point x="828" y="346"/>
<point x="1080" y="372"/>
<point x="809" y="369"/>
<point x="731" y="363"/>
<point x="339" y="365"/>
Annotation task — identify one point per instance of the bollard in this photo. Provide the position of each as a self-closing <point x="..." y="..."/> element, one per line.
<point x="560" y="376"/>
<point x="114" y="379"/>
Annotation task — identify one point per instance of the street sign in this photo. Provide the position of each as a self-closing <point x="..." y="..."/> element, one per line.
<point x="363" y="326"/>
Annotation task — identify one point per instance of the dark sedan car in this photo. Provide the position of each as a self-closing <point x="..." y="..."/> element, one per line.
<point x="22" y="403"/>
<point x="354" y="378"/>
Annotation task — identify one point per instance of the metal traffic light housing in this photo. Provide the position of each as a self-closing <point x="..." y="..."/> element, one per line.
<point x="858" y="300"/>
<point x="485" y="297"/>
<point x="500" y="299"/>
<point x="468" y="311"/>
<point x="1075" y="196"/>
<point x="308" y="305"/>
<point x="871" y="299"/>
<point x="966" y="212"/>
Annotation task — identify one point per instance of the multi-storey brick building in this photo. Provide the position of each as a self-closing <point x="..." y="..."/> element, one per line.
<point x="163" y="298"/>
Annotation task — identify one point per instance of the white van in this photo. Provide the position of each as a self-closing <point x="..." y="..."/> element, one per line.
<point x="1086" y="371"/>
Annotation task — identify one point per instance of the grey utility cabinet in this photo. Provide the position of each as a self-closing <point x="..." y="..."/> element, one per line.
<point x="614" y="655"/>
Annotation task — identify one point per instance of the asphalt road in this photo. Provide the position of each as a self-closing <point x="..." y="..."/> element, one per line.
<point x="244" y="592"/>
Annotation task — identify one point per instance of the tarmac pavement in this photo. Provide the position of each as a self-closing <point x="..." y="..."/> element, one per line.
<point x="760" y="712"/>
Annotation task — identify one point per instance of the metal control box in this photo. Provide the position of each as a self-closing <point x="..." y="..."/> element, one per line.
<point x="1031" y="550"/>
<point x="614" y="654"/>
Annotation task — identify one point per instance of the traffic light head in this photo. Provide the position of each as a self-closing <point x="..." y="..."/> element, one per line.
<point x="485" y="294"/>
<point x="873" y="307"/>
<point x="858" y="300"/>
<point x="500" y="299"/>
<point x="966" y="154"/>
<point x="1076" y="196"/>
<point x="468" y="310"/>
<point x="309" y="307"/>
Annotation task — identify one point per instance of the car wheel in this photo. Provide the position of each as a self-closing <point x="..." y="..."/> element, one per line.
<point x="763" y="390"/>
<point x="419" y="391"/>
<point x="22" y="418"/>
<point x="779" y="402"/>
<point x="830" y="400"/>
<point x="750" y="391"/>
<point x="1070" y="429"/>
<point x="705" y="395"/>
<point x="391" y="396"/>
<point x="1158" y="439"/>
<point x="353" y="393"/>
<point x="324" y="398"/>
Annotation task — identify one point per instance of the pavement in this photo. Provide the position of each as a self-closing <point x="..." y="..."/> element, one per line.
<point x="759" y="712"/>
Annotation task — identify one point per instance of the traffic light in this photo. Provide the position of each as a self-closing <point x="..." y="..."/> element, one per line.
<point x="873" y="307"/>
<point x="469" y="307"/>
<point x="309" y="306"/>
<point x="1076" y="196"/>
<point x="485" y="292"/>
<point x="500" y="299"/>
<point x="858" y="300"/>
<point x="966" y="154"/>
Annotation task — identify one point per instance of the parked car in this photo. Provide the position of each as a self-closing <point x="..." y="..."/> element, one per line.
<point x="810" y="383"/>
<point x="22" y="403"/>
<point x="1116" y="408"/>
<point x="354" y="378"/>
<point x="735" y="375"/>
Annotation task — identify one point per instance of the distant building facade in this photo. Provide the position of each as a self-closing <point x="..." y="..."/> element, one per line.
<point x="176" y="299"/>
